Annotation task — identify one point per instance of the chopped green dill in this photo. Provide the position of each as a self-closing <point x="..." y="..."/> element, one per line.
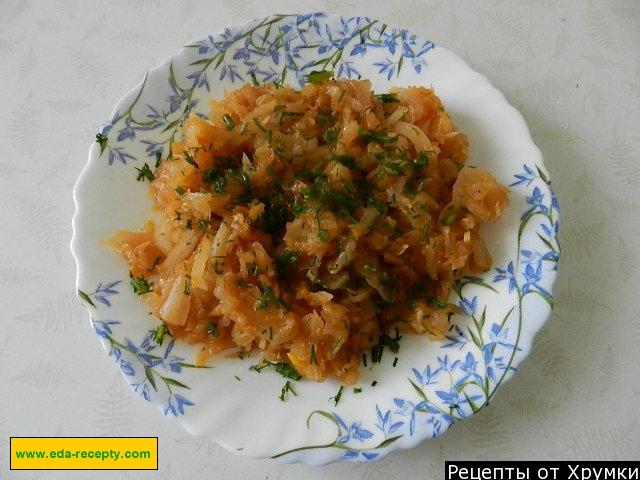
<point x="376" y="353"/>
<point x="238" y="176"/>
<point x="364" y="359"/>
<point x="241" y="282"/>
<point x="395" y="345"/>
<point x="345" y="160"/>
<point x="228" y="121"/>
<point x="101" y="139"/>
<point x="319" y="76"/>
<point x="324" y="118"/>
<point x="254" y="269"/>
<point x="276" y="214"/>
<point x="140" y="285"/>
<point x="323" y="235"/>
<point x="187" y="285"/>
<point x="237" y="378"/>
<point x="402" y="153"/>
<point x="379" y="205"/>
<point x="385" y="340"/>
<point x="374" y="383"/>
<point x="368" y="268"/>
<point x="267" y="297"/>
<point x="218" y="183"/>
<point x="217" y="179"/>
<point x="394" y="230"/>
<point x="298" y="207"/>
<point x="285" y="261"/>
<point x="330" y="135"/>
<point x="395" y="361"/>
<point x="287" y="370"/>
<point x="385" y="279"/>
<point x="422" y="160"/>
<point x="160" y="332"/>
<point x="190" y="160"/>
<point x="290" y="114"/>
<point x="261" y="127"/>
<point x="312" y="357"/>
<point x="396" y="168"/>
<point x="244" y="198"/>
<point x="376" y="137"/>
<point x="279" y="151"/>
<point x="357" y="390"/>
<point x="145" y="173"/>
<point x="336" y="398"/>
<point x="343" y="200"/>
<point x="189" y="224"/>
<point x="436" y="302"/>
<point x="212" y="329"/>
<point x="449" y="219"/>
<point x="387" y="97"/>
<point x="287" y="388"/>
<point x="277" y="181"/>
<point x="259" y="368"/>
<point x="312" y="175"/>
<point x="180" y="190"/>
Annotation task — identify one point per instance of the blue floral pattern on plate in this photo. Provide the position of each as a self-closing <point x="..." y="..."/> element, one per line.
<point x="241" y="56"/>
<point x="149" y="365"/>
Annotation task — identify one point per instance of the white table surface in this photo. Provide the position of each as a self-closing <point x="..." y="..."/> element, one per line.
<point x="571" y="67"/>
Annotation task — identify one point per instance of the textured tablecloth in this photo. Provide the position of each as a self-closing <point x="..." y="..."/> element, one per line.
<point x="571" y="67"/>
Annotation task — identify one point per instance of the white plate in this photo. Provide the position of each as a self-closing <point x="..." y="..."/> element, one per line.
<point x="434" y="384"/>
